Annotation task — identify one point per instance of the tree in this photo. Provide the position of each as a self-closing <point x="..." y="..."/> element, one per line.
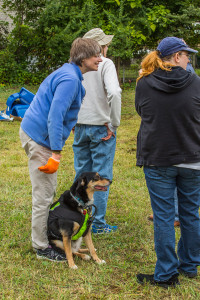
<point x="44" y="29"/>
<point x="23" y="11"/>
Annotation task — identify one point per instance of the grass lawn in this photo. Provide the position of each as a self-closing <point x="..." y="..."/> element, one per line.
<point x="128" y="251"/>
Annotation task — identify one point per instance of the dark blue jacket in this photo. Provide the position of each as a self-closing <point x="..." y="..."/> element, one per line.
<point x="169" y="105"/>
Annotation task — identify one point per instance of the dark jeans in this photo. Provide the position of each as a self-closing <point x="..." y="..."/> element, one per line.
<point x="161" y="183"/>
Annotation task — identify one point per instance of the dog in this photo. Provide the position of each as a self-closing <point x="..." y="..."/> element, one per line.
<point x="70" y="218"/>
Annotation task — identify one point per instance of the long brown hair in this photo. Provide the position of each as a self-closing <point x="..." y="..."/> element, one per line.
<point x="152" y="61"/>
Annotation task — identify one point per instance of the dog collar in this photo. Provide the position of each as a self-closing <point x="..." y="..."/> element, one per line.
<point x="80" y="202"/>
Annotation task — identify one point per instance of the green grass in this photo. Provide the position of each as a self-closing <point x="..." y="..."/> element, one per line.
<point x="129" y="251"/>
<point x="197" y="71"/>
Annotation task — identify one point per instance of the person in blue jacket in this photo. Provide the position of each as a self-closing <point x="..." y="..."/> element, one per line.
<point x="45" y="128"/>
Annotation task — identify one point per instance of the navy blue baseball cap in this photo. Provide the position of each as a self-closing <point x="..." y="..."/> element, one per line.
<point x="170" y="45"/>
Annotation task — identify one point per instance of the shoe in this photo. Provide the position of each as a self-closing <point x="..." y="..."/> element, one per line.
<point x="176" y="223"/>
<point x="187" y="274"/>
<point x="150" y="217"/>
<point x="50" y="254"/>
<point x="145" y="278"/>
<point x="105" y="229"/>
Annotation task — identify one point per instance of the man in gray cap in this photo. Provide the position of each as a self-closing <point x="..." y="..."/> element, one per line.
<point x="95" y="132"/>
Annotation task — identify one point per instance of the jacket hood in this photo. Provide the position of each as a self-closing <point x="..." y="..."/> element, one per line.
<point x="170" y="81"/>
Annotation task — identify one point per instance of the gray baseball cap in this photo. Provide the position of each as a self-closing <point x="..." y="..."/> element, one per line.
<point x="99" y="36"/>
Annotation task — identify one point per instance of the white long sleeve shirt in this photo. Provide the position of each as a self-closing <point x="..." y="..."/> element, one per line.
<point x="102" y="102"/>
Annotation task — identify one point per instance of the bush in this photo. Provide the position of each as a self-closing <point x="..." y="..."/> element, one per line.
<point x="12" y="72"/>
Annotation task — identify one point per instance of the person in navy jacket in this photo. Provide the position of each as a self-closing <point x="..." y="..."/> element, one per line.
<point x="168" y="148"/>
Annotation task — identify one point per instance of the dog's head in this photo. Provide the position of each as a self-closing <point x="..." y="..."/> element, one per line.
<point x="87" y="184"/>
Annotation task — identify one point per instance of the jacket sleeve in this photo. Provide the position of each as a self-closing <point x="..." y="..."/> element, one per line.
<point x="138" y="95"/>
<point x="113" y="91"/>
<point x="64" y="95"/>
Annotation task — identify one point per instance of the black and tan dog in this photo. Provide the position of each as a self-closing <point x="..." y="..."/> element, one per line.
<point x="70" y="218"/>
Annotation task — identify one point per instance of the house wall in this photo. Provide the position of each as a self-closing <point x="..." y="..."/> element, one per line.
<point x="5" y="17"/>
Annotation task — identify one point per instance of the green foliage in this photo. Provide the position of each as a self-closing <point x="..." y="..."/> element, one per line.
<point x="21" y="43"/>
<point x="45" y="29"/>
<point x="9" y="70"/>
<point x="187" y="25"/>
<point x="58" y="26"/>
<point x="157" y="17"/>
<point x="197" y="71"/>
<point x="25" y="11"/>
<point x="3" y="34"/>
<point x="13" y="72"/>
<point x="135" y="3"/>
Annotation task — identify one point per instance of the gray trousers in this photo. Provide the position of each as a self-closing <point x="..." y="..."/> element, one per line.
<point x="43" y="189"/>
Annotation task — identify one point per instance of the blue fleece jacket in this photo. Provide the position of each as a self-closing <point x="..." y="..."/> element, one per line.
<point x="54" y="109"/>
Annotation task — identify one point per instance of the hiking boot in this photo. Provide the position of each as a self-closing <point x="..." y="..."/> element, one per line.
<point x="50" y="254"/>
<point x="145" y="278"/>
<point x="187" y="274"/>
<point x="105" y="229"/>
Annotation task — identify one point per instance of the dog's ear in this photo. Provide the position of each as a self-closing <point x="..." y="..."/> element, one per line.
<point x="81" y="183"/>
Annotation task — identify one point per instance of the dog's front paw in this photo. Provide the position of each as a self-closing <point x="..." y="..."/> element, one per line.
<point x="86" y="257"/>
<point x="101" y="262"/>
<point x="74" y="267"/>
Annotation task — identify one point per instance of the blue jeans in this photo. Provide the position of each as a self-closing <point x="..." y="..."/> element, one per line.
<point x="91" y="154"/>
<point x="161" y="183"/>
<point x="176" y="205"/>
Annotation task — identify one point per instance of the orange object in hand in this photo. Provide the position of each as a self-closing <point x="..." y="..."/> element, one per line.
<point x="51" y="166"/>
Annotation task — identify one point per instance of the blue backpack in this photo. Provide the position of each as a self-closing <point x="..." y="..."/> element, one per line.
<point x="18" y="103"/>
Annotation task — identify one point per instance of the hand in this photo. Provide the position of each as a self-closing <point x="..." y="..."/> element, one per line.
<point x="51" y="166"/>
<point x="110" y="133"/>
<point x="56" y="155"/>
<point x="140" y="72"/>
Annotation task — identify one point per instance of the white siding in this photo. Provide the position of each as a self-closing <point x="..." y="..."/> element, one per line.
<point x="4" y="17"/>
